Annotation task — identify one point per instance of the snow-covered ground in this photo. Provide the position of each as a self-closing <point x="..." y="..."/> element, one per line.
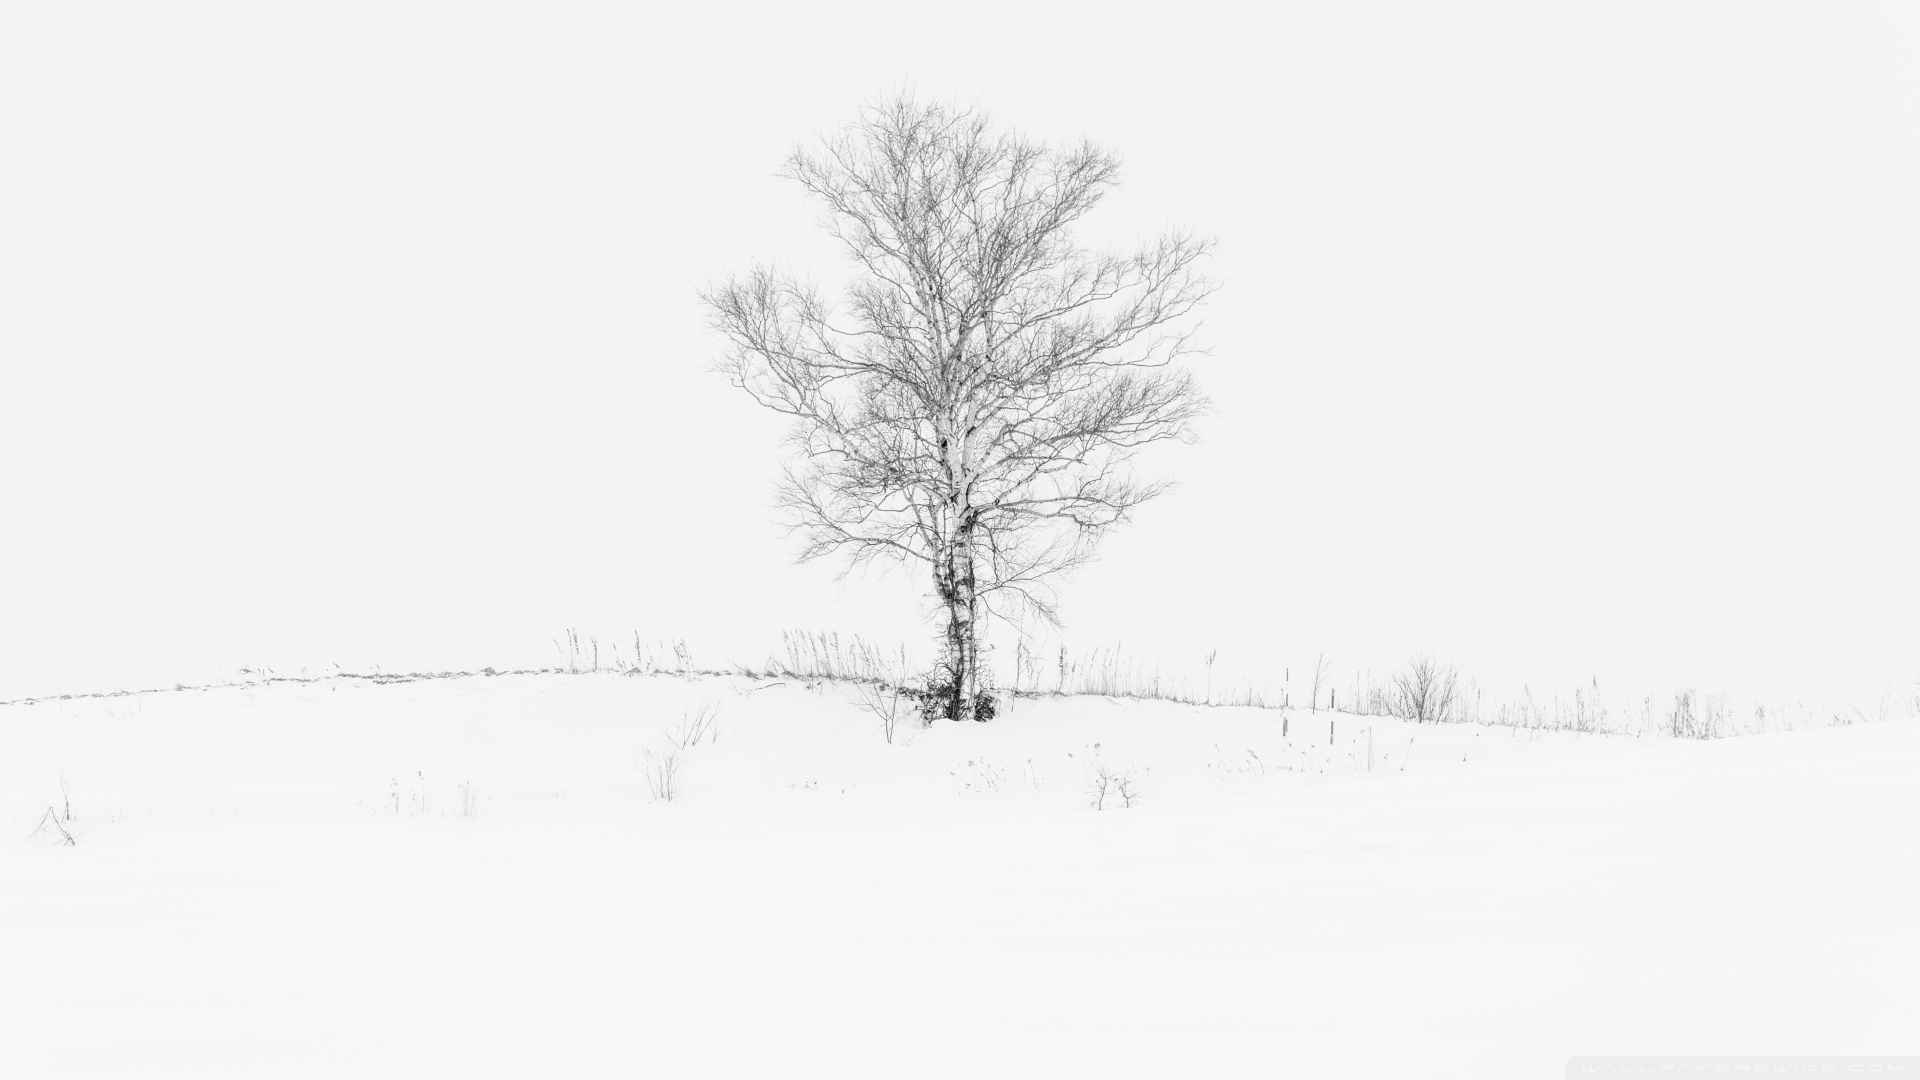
<point x="473" y="877"/>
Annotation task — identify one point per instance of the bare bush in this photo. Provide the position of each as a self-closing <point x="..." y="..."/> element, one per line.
<point x="1589" y="710"/>
<point x="54" y="825"/>
<point x="1427" y="691"/>
<point x="890" y="703"/>
<point x="1692" y="717"/>
<point x="661" y="769"/>
<point x="1105" y="782"/>
<point x="697" y="724"/>
<point x="661" y="765"/>
<point x="57" y="822"/>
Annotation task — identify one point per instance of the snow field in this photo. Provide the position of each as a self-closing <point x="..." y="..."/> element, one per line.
<point x="291" y="881"/>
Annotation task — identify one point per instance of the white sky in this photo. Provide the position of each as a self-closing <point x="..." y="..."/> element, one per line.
<point x="1564" y="340"/>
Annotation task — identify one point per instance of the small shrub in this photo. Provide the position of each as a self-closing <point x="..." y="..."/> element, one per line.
<point x="697" y="725"/>
<point x="1695" y="719"/>
<point x="1106" y="783"/>
<point x="662" y="772"/>
<point x="56" y="824"/>
<point x="1426" y="692"/>
<point x="891" y="704"/>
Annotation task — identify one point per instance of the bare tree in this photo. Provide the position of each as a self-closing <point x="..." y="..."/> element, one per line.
<point x="1426" y="691"/>
<point x="1321" y="670"/>
<point x="973" y="405"/>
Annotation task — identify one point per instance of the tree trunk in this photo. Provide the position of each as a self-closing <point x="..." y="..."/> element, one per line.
<point x="958" y="589"/>
<point x="959" y="594"/>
